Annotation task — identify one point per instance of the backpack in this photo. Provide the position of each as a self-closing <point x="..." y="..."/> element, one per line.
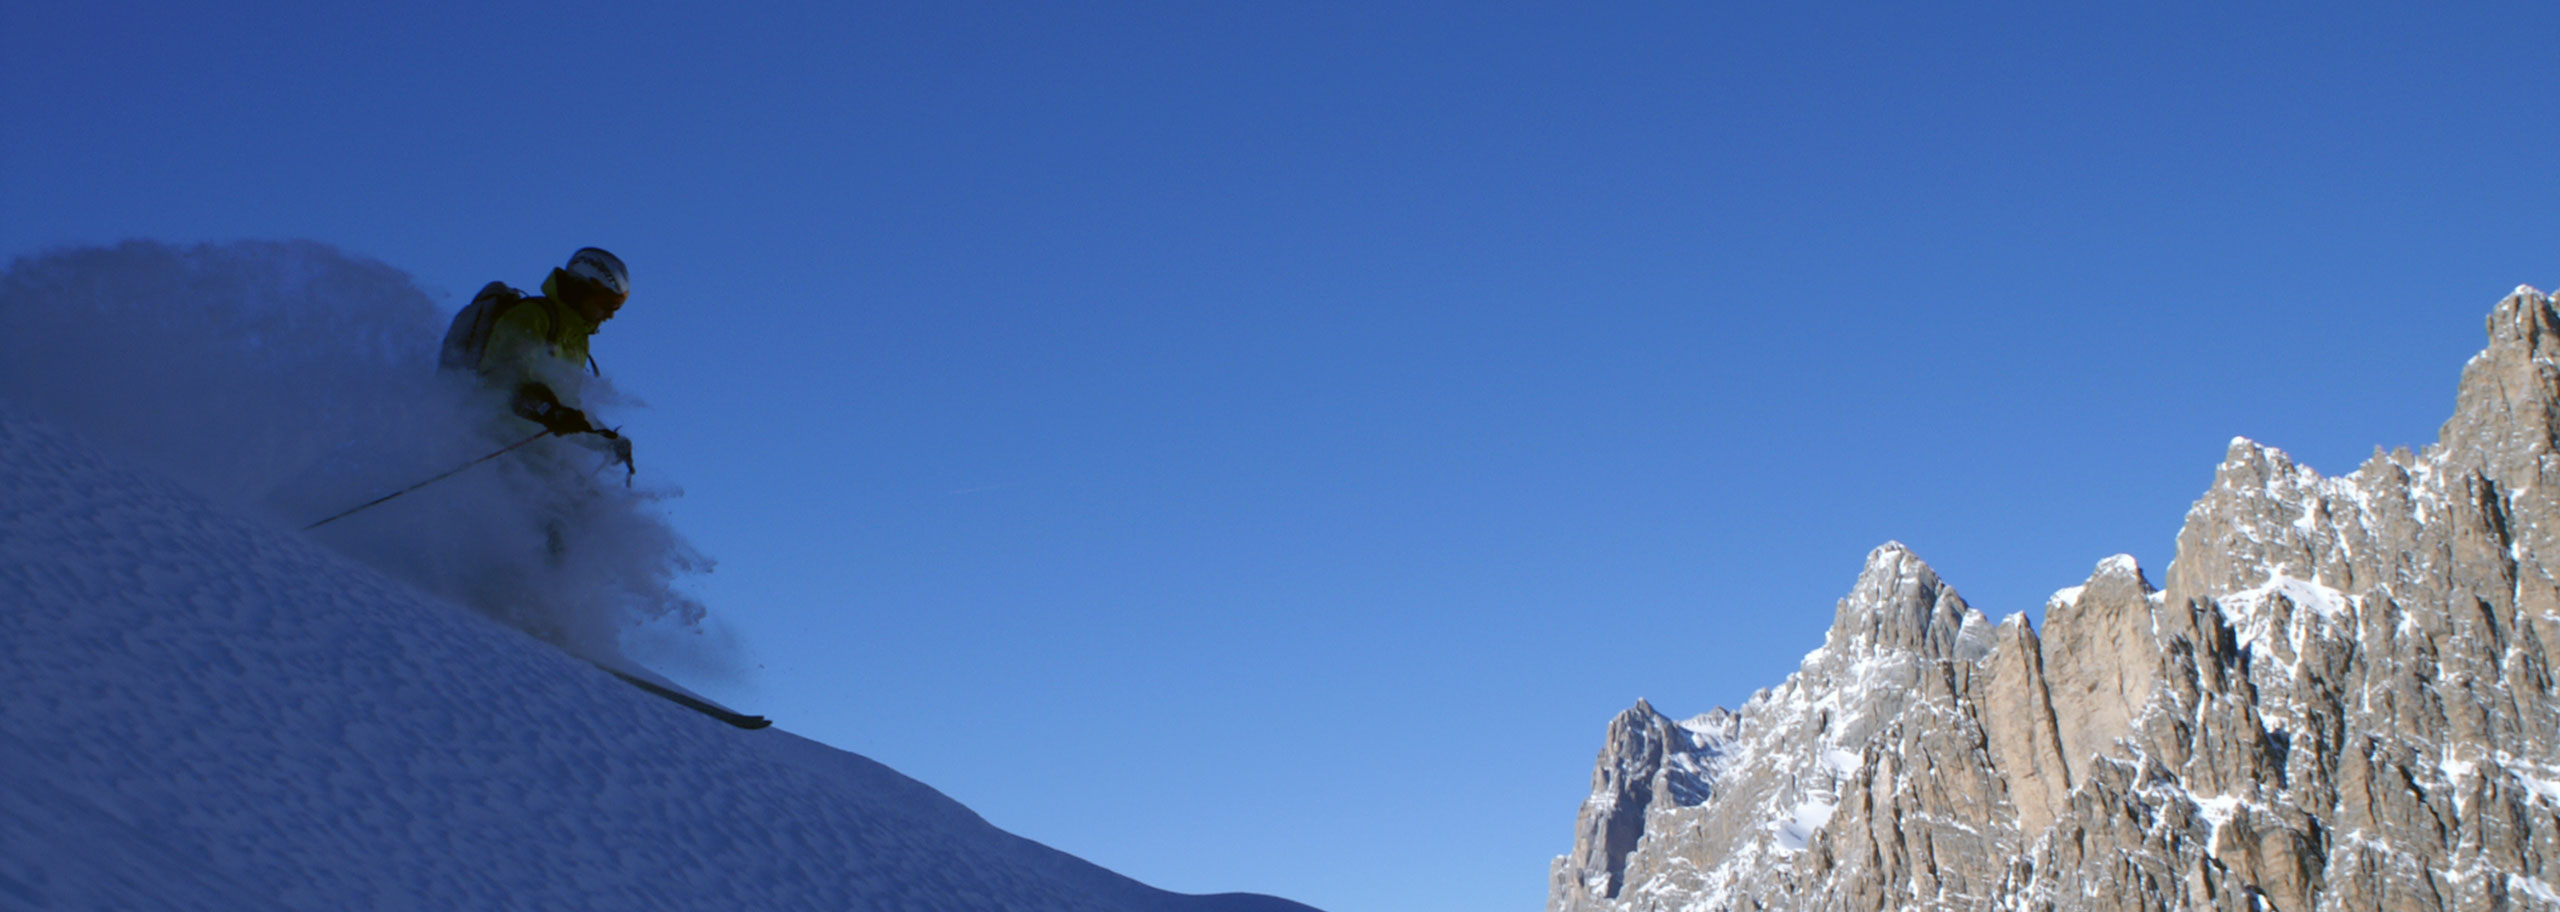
<point x="468" y="339"/>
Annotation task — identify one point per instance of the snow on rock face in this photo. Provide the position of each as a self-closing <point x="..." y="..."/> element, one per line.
<point x="1788" y="763"/>
<point x="206" y="712"/>
<point x="2343" y="698"/>
<point x="1652" y="763"/>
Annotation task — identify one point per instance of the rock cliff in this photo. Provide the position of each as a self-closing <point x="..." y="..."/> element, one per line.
<point x="2341" y="697"/>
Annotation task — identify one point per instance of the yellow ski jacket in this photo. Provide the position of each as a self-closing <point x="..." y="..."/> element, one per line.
<point x="538" y="339"/>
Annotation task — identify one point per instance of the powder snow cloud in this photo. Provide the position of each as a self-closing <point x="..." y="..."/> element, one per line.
<point x="291" y="380"/>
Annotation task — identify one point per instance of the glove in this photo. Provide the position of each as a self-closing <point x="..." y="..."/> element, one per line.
<point x="563" y="420"/>
<point x="538" y="404"/>
<point x="621" y="453"/>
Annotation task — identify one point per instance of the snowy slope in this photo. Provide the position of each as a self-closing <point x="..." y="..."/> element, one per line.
<point x="203" y="711"/>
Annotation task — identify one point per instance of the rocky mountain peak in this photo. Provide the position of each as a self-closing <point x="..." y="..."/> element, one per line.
<point x="2118" y="579"/>
<point x="1899" y="603"/>
<point x="1635" y="716"/>
<point x="2507" y="412"/>
<point x="1651" y="764"/>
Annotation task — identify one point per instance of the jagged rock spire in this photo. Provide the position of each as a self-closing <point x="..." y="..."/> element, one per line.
<point x="1899" y="603"/>
<point x="2505" y="415"/>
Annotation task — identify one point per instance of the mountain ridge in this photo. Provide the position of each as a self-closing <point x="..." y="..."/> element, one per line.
<point x="2340" y="697"/>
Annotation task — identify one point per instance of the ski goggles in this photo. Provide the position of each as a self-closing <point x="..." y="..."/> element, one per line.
<point x="589" y="294"/>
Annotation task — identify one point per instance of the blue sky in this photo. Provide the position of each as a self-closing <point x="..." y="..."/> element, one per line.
<point x="1258" y="449"/>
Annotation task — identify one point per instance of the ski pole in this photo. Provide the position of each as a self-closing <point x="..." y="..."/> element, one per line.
<point x="456" y="470"/>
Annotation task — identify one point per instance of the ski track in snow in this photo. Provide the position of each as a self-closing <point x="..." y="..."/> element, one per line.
<point x="207" y="712"/>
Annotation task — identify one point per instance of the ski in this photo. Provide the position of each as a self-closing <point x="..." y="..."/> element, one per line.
<point x="691" y="702"/>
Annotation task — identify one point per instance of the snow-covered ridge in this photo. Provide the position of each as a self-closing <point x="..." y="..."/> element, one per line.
<point x="206" y="711"/>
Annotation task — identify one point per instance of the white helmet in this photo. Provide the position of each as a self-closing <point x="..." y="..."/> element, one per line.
<point x="604" y="270"/>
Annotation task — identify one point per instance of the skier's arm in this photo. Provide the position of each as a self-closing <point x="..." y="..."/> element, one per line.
<point x="536" y="403"/>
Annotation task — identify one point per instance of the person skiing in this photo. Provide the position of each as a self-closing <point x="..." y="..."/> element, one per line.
<point x="534" y="347"/>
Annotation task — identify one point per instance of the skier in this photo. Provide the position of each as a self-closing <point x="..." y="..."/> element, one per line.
<point x="534" y="347"/>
